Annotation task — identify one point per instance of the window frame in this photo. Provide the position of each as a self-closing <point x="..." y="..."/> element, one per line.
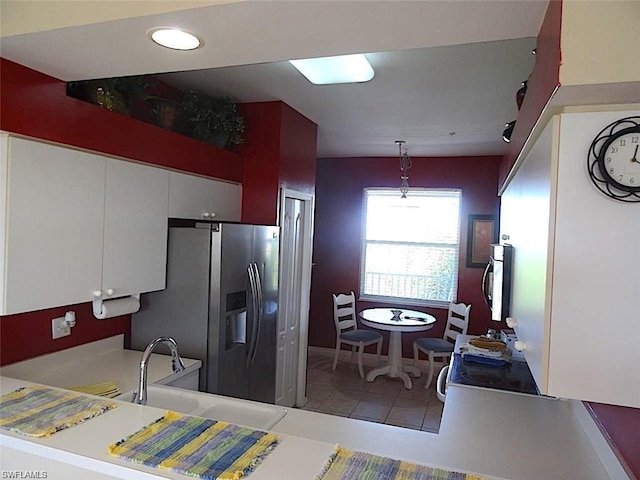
<point x="441" y="304"/>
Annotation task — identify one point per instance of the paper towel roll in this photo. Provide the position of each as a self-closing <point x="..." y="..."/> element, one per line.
<point x="117" y="307"/>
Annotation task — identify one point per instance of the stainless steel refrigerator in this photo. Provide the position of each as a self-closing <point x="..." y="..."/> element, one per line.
<point x="220" y="305"/>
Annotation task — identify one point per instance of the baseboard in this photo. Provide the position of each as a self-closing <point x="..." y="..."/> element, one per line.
<point x="368" y="359"/>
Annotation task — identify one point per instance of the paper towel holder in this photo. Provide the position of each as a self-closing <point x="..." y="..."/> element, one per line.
<point x="98" y="311"/>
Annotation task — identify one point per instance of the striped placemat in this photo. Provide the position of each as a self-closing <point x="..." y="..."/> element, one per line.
<point x="198" y="447"/>
<point x="345" y="464"/>
<point x="42" y="411"/>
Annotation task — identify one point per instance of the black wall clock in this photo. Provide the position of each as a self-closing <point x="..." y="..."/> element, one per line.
<point x="614" y="160"/>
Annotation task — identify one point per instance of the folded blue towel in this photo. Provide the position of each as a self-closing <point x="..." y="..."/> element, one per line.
<point x="498" y="362"/>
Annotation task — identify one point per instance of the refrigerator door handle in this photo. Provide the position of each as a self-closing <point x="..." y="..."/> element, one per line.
<point x="255" y="310"/>
<point x="260" y="312"/>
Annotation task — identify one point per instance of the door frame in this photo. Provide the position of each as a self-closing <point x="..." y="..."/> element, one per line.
<point x="308" y="200"/>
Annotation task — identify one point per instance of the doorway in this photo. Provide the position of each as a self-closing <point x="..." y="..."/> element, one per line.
<point x="296" y="242"/>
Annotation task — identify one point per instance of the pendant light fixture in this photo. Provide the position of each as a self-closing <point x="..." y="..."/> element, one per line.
<point x="405" y="165"/>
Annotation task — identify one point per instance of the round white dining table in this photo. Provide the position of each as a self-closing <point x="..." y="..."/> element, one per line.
<point x="396" y="321"/>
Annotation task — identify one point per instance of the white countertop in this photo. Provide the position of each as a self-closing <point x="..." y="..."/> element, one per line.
<point x="515" y="437"/>
<point x="100" y="361"/>
<point x="494" y="434"/>
<point x="85" y="446"/>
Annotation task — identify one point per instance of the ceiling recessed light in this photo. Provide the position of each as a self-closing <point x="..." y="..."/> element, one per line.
<point x="174" y="38"/>
<point x="330" y="70"/>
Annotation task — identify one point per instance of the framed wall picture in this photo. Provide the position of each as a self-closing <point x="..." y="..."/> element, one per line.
<point x="481" y="233"/>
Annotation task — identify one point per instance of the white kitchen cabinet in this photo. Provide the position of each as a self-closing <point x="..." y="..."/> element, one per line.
<point x="526" y="208"/>
<point x="201" y="198"/>
<point x="51" y="231"/>
<point x="576" y="279"/>
<point x="75" y="222"/>
<point x="135" y="228"/>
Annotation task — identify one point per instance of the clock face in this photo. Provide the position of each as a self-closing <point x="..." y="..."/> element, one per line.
<point x="619" y="160"/>
<point x="613" y="160"/>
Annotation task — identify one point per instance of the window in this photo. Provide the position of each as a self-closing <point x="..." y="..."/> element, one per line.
<point x="410" y="246"/>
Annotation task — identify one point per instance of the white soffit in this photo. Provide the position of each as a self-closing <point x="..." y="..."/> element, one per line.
<point x="268" y="31"/>
<point x="19" y="16"/>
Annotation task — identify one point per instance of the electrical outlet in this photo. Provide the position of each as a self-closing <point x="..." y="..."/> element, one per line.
<point x="59" y="328"/>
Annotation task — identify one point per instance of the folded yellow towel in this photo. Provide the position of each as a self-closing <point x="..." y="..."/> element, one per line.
<point x="103" y="389"/>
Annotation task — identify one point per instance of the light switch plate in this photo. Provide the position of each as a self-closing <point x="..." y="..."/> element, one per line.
<point x="59" y="328"/>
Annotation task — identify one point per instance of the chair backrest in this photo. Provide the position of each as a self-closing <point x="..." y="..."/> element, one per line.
<point x="457" y="321"/>
<point x="344" y="311"/>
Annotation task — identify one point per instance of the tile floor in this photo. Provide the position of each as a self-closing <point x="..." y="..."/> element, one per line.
<point x="385" y="400"/>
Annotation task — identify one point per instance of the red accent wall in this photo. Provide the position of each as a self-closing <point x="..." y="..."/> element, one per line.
<point x="279" y="151"/>
<point x="261" y="151"/>
<point x="298" y="142"/>
<point x="28" y="335"/>
<point x="337" y="239"/>
<point x="621" y="426"/>
<point x="37" y="105"/>
<point x="542" y="83"/>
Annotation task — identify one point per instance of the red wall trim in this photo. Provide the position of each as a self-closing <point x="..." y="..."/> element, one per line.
<point x="37" y="105"/>
<point x="542" y="83"/>
<point x="622" y="427"/>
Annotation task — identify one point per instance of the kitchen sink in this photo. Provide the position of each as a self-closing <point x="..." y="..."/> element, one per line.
<point x="217" y="407"/>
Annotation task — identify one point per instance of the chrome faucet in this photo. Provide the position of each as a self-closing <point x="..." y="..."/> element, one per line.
<point x="140" y="396"/>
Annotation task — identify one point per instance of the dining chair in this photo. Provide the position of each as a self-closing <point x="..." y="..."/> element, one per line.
<point x="457" y="324"/>
<point x="347" y="332"/>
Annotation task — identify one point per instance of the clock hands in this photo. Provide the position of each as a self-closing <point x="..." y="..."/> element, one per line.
<point x="635" y="155"/>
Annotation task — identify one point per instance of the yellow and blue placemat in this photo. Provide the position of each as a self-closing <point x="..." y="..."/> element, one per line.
<point x="198" y="447"/>
<point x="345" y="464"/>
<point x="42" y="411"/>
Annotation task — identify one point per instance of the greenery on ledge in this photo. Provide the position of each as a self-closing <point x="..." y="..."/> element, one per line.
<point x="213" y="120"/>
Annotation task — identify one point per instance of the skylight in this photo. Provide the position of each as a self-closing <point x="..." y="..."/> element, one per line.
<point x="330" y="70"/>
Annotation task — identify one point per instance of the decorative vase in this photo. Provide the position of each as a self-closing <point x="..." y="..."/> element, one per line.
<point x="109" y="99"/>
<point x="220" y="139"/>
<point x="166" y="113"/>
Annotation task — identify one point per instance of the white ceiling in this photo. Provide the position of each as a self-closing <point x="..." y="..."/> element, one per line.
<point x="441" y="66"/>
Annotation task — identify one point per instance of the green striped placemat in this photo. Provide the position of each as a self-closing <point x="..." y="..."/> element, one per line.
<point x="345" y="464"/>
<point x="42" y="411"/>
<point x="198" y="447"/>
